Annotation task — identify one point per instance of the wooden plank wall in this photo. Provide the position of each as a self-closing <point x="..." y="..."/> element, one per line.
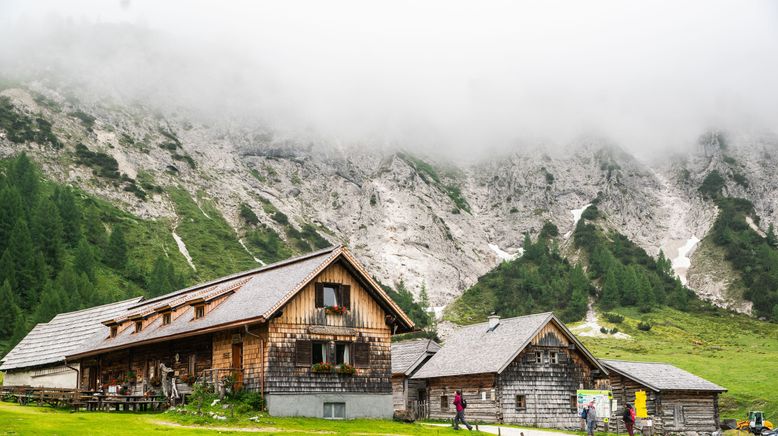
<point x="698" y="411"/>
<point x="405" y="391"/>
<point x="252" y="360"/>
<point x="624" y="391"/>
<point x="365" y="322"/>
<point x="474" y="389"/>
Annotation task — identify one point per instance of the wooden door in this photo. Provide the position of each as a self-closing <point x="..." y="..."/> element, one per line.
<point x="237" y="364"/>
<point x="91" y="376"/>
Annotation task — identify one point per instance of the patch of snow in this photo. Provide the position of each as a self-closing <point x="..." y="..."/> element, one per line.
<point x="201" y="210"/>
<point x="682" y="262"/>
<point x="242" y="244"/>
<point x="576" y="217"/>
<point x="183" y="250"/>
<point x="591" y="328"/>
<point x="504" y="255"/>
<point x="754" y="227"/>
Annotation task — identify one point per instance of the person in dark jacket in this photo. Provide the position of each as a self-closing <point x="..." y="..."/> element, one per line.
<point x="629" y="418"/>
<point x="460" y="417"/>
<point x="591" y="419"/>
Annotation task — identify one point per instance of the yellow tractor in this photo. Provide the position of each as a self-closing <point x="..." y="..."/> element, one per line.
<point x="755" y="423"/>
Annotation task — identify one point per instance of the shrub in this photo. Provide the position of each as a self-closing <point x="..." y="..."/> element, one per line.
<point x="603" y="330"/>
<point x="248" y="215"/>
<point x="280" y="217"/>
<point x="613" y="317"/>
<point x="614" y="330"/>
<point x="712" y="185"/>
<point x="644" y="326"/>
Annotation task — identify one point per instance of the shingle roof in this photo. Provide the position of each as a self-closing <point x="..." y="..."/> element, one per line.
<point x="408" y="355"/>
<point x="251" y="295"/>
<point x="661" y="376"/>
<point x="50" y="342"/>
<point x="475" y="349"/>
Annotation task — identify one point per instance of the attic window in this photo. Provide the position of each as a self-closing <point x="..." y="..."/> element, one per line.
<point x="554" y="357"/>
<point x="199" y="311"/>
<point x="166" y="318"/>
<point x="138" y="326"/>
<point x="333" y="294"/>
<point x="114" y="330"/>
<point x="538" y="357"/>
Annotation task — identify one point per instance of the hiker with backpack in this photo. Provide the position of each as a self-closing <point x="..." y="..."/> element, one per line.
<point x="629" y="418"/>
<point x="591" y="418"/>
<point x="460" y="404"/>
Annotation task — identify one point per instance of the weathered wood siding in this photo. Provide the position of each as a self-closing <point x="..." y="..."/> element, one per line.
<point x="671" y="411"/>
<point x="254" y="353"/>
<point x="548" y="388"/>
<point x="301" y="320"/>
<point x="406" y="391"/>
<point x="145" y="360"/>
<point x="478" y="390"/>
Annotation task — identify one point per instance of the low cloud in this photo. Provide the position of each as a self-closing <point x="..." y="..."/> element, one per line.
<point x="441" y="76"/>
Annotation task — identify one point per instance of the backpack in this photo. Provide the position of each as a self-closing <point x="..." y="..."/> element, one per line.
<point x="584" y="412"/>
<point x="464" y="403"/>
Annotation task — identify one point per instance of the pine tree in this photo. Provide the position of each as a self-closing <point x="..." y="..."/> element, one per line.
<point x="771" y="238"/>
<point x="10" y="212"/>
<point x="664" y="265"/>
<point x="84" y="259"/>
<point x="116" y="251"/>
<point x="94" y="228"/>
<point x="28" y="270"/>
<point x="611" y="297"/>
<point x="71" y="215"/>
<point x="8" y="269"/>
<point x="645" y="294"/>
<point x="51" y="303"/>
<point x="577" y="307"/>
<point x="48" y="232"/>
<point x="629" y="286"/>
<point x="163" y="278"/>
<point x="10" y="311"/>
<point x="424" y="304"/>
<point x="23" y="175"/>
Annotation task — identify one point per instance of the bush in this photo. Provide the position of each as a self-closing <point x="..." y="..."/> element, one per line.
<point x="614" y="330"/>
<point x="248" y="400"/>
<point x="603" y="330"/>
<point x="644" y="326"/>
<point x="248" y="215"/>
<point x="613" y="317"/>
<point x="280" y="217"/>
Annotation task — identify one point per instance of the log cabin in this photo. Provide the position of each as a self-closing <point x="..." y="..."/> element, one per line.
<point x="39" y="360"/>
<point x="524" y="370"/>
<point x="407" y="358"/>
<point x="311" y="333"/>
<point x="677" y="401"/>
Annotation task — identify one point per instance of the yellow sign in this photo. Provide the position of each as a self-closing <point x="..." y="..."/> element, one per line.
<point x="640" y="405"/>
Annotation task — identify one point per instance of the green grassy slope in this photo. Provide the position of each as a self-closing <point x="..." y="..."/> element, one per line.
<point x="734" y="351"/>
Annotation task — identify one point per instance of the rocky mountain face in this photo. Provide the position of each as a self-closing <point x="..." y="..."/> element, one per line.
<point x="408" y="217"/>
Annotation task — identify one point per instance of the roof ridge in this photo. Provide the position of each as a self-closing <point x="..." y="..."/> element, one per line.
<point x="95" y="307"/>
<point x="237" y="275"/>
<point x="508" y="319"/>
<point x="638" y="361"/>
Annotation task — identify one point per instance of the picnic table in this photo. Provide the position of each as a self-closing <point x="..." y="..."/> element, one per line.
<point x="138" y="403"/>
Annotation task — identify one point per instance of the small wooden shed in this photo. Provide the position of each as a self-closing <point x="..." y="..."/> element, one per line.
<point x="524" y="370"/>
<point x="407" y="358"/>
<point x="676" y="401"/>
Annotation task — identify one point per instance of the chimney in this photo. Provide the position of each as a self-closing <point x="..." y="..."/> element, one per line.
<point x="494" y="320"/>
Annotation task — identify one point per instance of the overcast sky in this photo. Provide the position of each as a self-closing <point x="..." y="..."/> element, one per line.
<point x="445" y="75"/>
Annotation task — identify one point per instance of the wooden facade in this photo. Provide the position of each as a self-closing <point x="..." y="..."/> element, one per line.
<point x="283" y="355"/>
<point x="671" y="412"/>
<point x="536" y="388"/>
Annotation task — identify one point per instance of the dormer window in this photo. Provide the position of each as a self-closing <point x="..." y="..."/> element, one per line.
<point x="114" y="330"/>
<point x="199" y="311"/>
<point x="166" y="318"/>
<point x="333" y="295"/>
<point x="138" y="326"/>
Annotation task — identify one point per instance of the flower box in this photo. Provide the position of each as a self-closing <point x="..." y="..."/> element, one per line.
<point x="321" y="367"/>
<point x="336" y="310"/>
<point x="346" y="369"/>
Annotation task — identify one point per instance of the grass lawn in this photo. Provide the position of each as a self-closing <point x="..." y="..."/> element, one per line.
<point x="30" y="420"/>
<point x="733" y="351"/>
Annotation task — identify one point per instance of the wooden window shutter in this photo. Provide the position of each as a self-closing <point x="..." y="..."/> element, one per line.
<point x="303" y="353"/>
<point x="362" y="354"/>
<point x="345" y="296"/>
<point x="319" y="295"/>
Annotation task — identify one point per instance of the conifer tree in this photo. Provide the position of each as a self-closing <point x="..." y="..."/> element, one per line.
<point x="28" y="270"/>
<point x="71" y="215"/>
<point x="10" y="212"/>
<point x="116" y="251"/>
<point x="645" y="294"/>
<point x="84" y="259"/>
<point x="8" y="269"/>
<point x="48" y="233"/>
<point x="94" y="228"/>
<point x="611" y="297"/>
<point x="51" y="303"/>
<point x="163" y="278"/>
<point x="23" y="175"/>
<point x="629" y="286"/>
<point x="10" y="311"/>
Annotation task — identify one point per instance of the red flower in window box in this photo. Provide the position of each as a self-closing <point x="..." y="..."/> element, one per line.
<point x="321" y="367"/>
<point x="345" y="368"/>
<point x="336" y="310"/>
